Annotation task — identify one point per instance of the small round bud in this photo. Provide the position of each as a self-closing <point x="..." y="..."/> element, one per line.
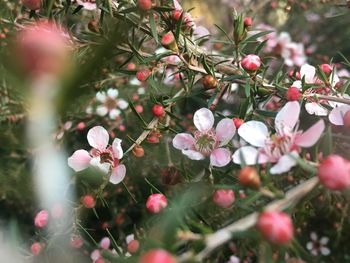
<point x="88" y="201"/>
<point x="138" y="151"/>
<point x="238" y="122"/>
<point x="251" y="63"/>
<point x="81" y="126"/>
<point x="249" y="177"/>
<point x="158" y="110"/>
<point x="32" y="4"/>
<point x="36" y="248"/>
<point x="276" y="227"/>
<point x="248" y="21"/>
<point x="133" y="246"/>
<point x="224" y="198"/>
<point x="41" y="219"/>
<point x="143" y="75"/>
<point x="334" y="173"/>
<point x="326" y="68"/>
<point x="144" y="5"/>
<point x="293" y="94"/>
<point x="177" y="14"/>
<point x="168" y="41"/>
<point x="209" y="82"/>
<point x="157" y="256"/>
<point x="105" y="243"/>
<point x="156" y="202"/>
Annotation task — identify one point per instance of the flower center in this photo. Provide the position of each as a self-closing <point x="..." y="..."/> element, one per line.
<point x="206" y="142"/>
<point x="110" y="103"/>
<point x="106" y="157"/>
<point x="278" y="145"/>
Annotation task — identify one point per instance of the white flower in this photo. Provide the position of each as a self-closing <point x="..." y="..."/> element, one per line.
<point x="110" y="104"/>
<point x="318" y="246"/>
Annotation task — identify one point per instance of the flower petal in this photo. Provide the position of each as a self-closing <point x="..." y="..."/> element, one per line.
<point x="250" y="155"/>
<point x="112" y="93"/>
<point x="193" y="155"/>
<point x="284" y="164"/>
<point x="254" y="132"/>
<point x="325" y="251"/>
<point x="79" y="160"/>
<point x="288" y="116"/>
<point x="122" y="104"/>
<point x="311" y="136"/>
<point x="118" y="174"/>
<point x="101" y="96"/>
<point x="315" y="108"/>
<point x="103" y="167"/>
<point x="308" y="72"/>
<point x="113" y="114"/>
<point x="336" y="116"/>
<point x="225" y="130"/>
<point x="101" y="110"/>
<point x="98" y="137"/>
<point x="220" y="157"/>
<point x="203" y="119"/>
<point x="183" y="141"/>
<point x="117" y="148"/>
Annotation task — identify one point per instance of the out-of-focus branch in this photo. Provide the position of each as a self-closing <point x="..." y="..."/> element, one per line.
<point x="220" y="237"/>
<point x="329" y="98"/>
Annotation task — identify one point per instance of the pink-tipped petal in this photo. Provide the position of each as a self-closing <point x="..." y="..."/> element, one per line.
<point x="118" y="174"/>
<point x="79" y="160"/>
<point x="117" y="148"/>
<point x="203" y="119"/>
<point x="220" y="157"/>
<point x="250" y="156"/>
<point x="98" y="137"/>
<point x="312" y="135"/>
<point x="336" y="116"/>
<point x="183" y="141"/>
<point x="308" y="72"/>
<point x="193" y="155"/>
<point x="284" y="164"/>
<point x="288" y="116"/>
<point x="314" y="108"/>
<point x="225" y="130"/>
<point x="254" y="133"/>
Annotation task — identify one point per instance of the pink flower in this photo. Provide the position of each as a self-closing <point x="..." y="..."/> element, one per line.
<point x="87" y="4"/>
<point x="276" y="227"/>
<point x="110" y="104"/>
<point x="206" y="140"/>
<point x="282" y="147"/>
<point x="156" y="202"/>
<point x="105" y="158"/>
<point x="41" y="219"/>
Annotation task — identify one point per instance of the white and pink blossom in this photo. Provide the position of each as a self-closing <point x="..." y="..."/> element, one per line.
<point x="105" y="158"/>
<point x="110" y="103"/>
<point x="207" y="141"/>
<point x="280" y="148"/>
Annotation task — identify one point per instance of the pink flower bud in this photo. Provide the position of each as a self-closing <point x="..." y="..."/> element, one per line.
<point x="144" y="5"/>
<point x="88" y="201"/>
<point x="177" y="14"/>
<point x="36" y="248"/>
<point x="326" y="68"/>
<point x="32" y="4"/>
<point x="76" y="242"/>
<point x="156" y="202"/>
<point x="139" y="108"/>
<point x="158" y="110"/>
<point x="131" y="66"/>
<point x="334" y="172"/>
<point x="224" y="198"/>
<point x="346" y="119"/>
<point x="41" y="219"/>
<point x="143" y="75"/>
<point x="251" y="63"/>
<point x="42" y="48"/>
<point x="168" y="39"/>
<point x="276" y="227"/>
<point x="293" y="94"/>
<point x="133" y="246"/>
<point x="238" y="122"/>
<point x="81" y="126"/>
<point x="105" y="243"/>
<point x="157" y="256"/>
<point x="248" y="21"/>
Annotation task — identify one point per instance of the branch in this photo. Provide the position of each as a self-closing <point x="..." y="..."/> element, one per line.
<point x="225" y="234"/>
<point x="329" y="98"/>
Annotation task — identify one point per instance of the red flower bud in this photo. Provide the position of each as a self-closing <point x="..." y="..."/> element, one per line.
<point x="138" y="151"/>
<point x="293" y="93"/>
<point x="143" y="75"/>
<point x="156" y="202"/>
<point x="238" y="122"/>
<point x="157" y="256"/>
<point x="209" y="82"/>
<point x="177" y="14"/>
<point x="41" y="219"/>
<point x="248" y="21"/>
<point x="251" y="63"/>
<point x="133" y="246"/>
<point x="334" y="173"/>
<point x="88" y="201"/>
<point x="276" y="227"/>
<point x="144" y="5"/>
<point x="168" y="41"/>
<point x="224" y="198"/>
<point x="158" y="110"/>
<point x="249" y="177"/>
<point x="32" y="4"/>
<point x="326" y="68"/>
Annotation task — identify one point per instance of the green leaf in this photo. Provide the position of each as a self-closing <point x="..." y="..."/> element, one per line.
<point x="153" y="27"/>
